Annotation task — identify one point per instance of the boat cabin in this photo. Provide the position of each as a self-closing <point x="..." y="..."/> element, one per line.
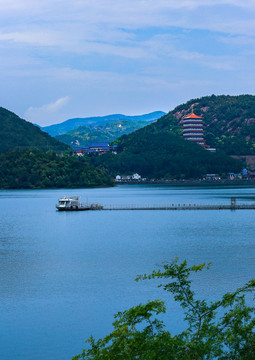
<point x="72" y="202"/>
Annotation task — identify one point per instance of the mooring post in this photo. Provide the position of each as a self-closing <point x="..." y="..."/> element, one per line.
<point x="233" y="203"/>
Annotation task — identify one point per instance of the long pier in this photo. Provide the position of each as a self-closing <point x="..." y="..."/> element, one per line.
<point x="177" y="207"/>
<point x="97" y="206"/>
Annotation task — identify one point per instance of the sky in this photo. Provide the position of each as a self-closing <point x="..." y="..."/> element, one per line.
<point x="62" y="59"/>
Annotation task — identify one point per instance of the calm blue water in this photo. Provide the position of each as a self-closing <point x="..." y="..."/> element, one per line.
<point x="64" y="275"/>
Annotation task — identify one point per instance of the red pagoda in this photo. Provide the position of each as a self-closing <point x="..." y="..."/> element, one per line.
<point x="193" y="128"/>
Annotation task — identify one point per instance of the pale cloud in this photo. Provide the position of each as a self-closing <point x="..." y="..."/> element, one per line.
<point x="41" y="115"/>
<point x="165" y="46"/>
<point x="119" y="51"/>
<point x="79" y="25"/>
<point x="109" y="15"/>
<point x="239" y="41"/>
<point x="15" y="5"/>
<point x="33" y="37"/>
<point x="58" y="104"/>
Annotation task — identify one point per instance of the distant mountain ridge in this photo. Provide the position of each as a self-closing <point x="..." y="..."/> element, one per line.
<point x="16" y="133"/>
<point x="70" y="124"/>
<point x="87" y="135"/>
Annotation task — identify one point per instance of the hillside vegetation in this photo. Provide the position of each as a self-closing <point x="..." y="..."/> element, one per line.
<point x="26" y="163"/>
<point x="159" y="154"/>
<point x="229" y="121"/>
<point x="158" y="150"/>
<point x="16" y="133"/>
<point x="86" y="135"/>
<point x="37" y="169"/>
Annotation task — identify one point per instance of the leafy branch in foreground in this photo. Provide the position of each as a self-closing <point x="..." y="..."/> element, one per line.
<point x="220" y="330"/>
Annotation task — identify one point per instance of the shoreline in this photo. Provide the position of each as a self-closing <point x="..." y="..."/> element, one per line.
<point x="188" y="182"/>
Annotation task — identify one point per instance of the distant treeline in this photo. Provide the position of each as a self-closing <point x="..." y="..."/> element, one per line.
<point x="30" y="169"/>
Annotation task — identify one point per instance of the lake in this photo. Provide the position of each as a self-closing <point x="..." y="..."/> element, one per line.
<point x="65" y="274"/>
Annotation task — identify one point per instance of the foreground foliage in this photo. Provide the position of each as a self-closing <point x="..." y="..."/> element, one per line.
<point x="37" y="169"/>
<point x="222" y="330"/>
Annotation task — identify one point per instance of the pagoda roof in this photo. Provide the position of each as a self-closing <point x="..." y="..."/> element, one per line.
<point x="192" y="116"/>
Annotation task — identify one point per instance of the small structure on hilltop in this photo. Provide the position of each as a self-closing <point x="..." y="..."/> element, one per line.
<point x="193" y="128"/>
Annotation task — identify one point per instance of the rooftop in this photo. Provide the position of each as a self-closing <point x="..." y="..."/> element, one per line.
<point x="192" y="116"/>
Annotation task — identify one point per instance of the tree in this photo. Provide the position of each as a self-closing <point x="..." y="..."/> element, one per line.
<point x="222" y="330"/>
<point x="31" y="169"/>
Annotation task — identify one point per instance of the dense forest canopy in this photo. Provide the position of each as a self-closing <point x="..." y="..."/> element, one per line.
<point x="157" y="152"/>
<point x="16" y="133"/>
<point x="30" y="169"/>
<point x="27" y="163"/>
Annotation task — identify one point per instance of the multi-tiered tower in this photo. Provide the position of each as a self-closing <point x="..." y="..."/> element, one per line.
<point x="193" y="128"/>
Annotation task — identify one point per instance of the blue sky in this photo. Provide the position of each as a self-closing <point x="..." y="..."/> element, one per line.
<point x="61" y="59"/>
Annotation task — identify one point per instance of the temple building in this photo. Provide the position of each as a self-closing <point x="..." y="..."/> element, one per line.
<point x="193" y="128"/>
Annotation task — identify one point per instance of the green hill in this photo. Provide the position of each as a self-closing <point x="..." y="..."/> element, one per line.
<point x="29" y="160"/>
<point x="159" y="151"/>
<point x="86" y="135"/>
<point x="161" y="154"/>
<point x="229" y="121"/>
<point x="16" y="133"/>
<point x="28" y="169"/>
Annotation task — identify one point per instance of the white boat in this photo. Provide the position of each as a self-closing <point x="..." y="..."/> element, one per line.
<point x="73" y="203"/>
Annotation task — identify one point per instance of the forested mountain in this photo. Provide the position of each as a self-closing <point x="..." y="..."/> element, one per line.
<point x="64" y="127"/>
<point x="156" y="153"/>
<point x="31" y="169"/>
<point x="16" y="133"/>
<point x="229" y="121"/>
<point x="86" y="135"/>
<point x="158" y="150"/>
<point x="27" y="160"/>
